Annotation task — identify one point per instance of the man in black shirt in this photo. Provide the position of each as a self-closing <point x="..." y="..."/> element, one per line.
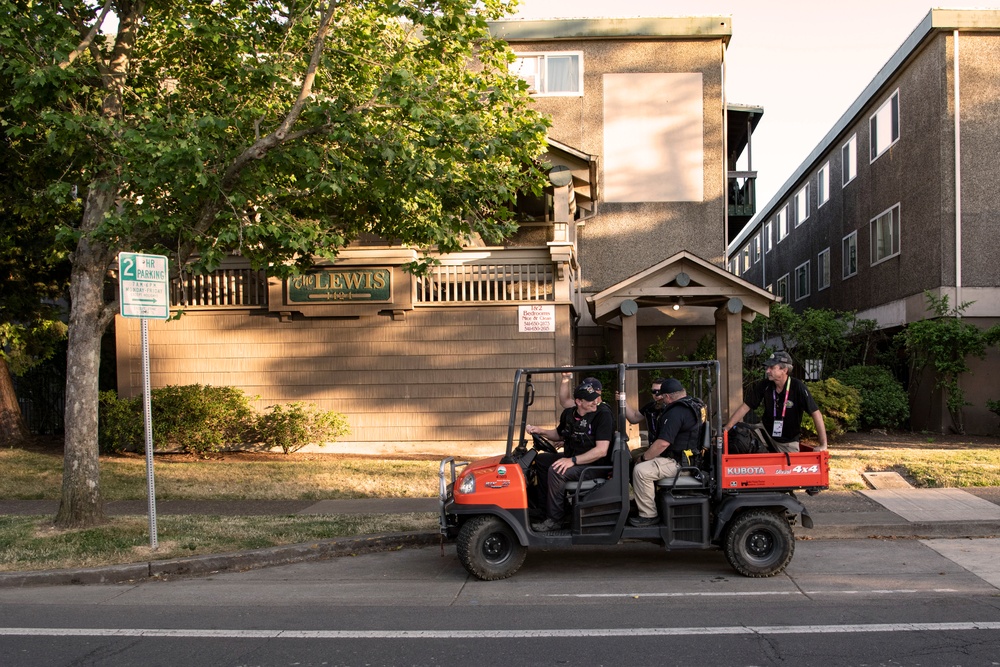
<point x="678" y="431"/>
<point x="650" y="412"/>
<point x="585" y="432"/>
<point x="785" y="400"/>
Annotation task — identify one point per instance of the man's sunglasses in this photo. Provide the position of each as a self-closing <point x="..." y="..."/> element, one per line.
<point x="657" y="392"/>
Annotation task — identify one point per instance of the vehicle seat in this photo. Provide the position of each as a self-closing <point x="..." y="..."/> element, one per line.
<point x="595" y="476"/>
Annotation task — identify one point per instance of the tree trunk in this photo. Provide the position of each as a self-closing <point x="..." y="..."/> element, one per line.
<point x="13" y="431"/>
<point x="81" y="504"/>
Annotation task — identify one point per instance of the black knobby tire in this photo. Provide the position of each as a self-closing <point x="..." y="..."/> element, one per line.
<point x="759" y="543"/>
<point x="489" y="549"/>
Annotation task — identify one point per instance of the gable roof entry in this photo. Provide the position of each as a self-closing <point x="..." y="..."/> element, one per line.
<point x="686" y="276"/>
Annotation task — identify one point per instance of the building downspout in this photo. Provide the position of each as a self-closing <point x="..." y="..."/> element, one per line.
<point x="958" y="183"/>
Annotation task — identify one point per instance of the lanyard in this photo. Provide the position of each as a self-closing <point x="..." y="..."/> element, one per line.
<point x="784" y="404"/>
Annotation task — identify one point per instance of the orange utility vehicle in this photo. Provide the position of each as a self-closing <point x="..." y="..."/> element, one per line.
<point x="743" y="504"/>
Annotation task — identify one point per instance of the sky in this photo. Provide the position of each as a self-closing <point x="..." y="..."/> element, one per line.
<point x="804" y="62"/>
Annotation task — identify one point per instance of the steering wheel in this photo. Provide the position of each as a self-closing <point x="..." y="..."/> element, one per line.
<point x="542" y="443"/>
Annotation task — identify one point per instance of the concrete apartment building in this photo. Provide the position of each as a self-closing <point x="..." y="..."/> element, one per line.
<point x="900" y="198"/>
<point x="634" y="223"/>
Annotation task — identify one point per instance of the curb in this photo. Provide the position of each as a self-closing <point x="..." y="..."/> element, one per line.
<point x="902" y="531"/>
<point x="215" y="563"/>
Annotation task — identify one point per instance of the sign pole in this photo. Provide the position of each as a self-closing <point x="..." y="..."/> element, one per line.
<point x="144" y="292"/>
<point x="148" y="424"/>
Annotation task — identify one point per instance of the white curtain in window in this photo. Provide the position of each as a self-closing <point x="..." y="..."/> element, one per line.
<point x="563" y="74"/>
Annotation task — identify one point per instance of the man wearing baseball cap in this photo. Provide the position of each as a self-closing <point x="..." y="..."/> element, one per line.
<point x="585" y="433"/>
<point x="785" y="400"/>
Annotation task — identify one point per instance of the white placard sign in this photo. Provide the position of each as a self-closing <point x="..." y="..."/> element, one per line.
<point x="536" y="319"/>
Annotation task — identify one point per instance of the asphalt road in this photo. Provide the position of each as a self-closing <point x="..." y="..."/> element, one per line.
<point x="857" y="602"/>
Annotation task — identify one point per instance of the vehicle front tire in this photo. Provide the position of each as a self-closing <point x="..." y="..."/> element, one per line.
<point x="759" y="543"/>
<point x="489" y="549"/>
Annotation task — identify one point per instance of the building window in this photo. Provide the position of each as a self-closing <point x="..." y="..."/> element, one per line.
<point x="770" y="288"/>
<point x="732" y="267"/>
<point x="745" y="259"/>
<point x="801" y="205"/>
<point x="849" y="162"/>
<point x="814" y="370"/>
<point x="885" y="235"/>
<point x="823" y="185"/>
<point x="802" y="280"/>
<point x="551" y="74"/>
<point x="782" y="288"/>
<point x="850" y="254"/>
<point x="883" y="126"/>
<point x="755" y="249"/>
<point x="781" y="222"/>
<point x="767" y="237"/>
<point x="823" y="270"/>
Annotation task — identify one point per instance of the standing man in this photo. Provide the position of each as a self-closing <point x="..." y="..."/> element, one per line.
<point x="585" y="432"/>
<point x="785" y="400"/>
<point x="680" y="424"/>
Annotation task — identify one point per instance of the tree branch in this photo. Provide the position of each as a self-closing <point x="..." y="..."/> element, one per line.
<point x="85" y="44"/>
<point x="262" y="146"/>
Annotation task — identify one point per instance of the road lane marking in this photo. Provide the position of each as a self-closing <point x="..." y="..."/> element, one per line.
<point x="888" y="591"/>
<point x="498" y="634"/>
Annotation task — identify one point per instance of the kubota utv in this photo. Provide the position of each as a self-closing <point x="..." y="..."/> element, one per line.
<point x="744" y="504"/>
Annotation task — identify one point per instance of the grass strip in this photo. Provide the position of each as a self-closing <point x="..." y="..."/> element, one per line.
<point x="32" y="543"/>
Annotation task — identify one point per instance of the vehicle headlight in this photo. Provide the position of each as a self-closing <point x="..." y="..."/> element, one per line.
<point x="468" y="484"/>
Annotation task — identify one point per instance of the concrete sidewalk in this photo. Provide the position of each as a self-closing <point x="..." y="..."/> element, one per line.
<point x="888" y="513"/>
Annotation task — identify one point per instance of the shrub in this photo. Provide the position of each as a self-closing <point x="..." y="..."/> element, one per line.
<point x="119" y="423"/>
<point x="839" y="404"/>
<point x="884" y="402"/>
<point x="291" y="427"/>
<point x="994" y="407"/>
<point x="201" y="418"/>
<point x="195" y="418"/>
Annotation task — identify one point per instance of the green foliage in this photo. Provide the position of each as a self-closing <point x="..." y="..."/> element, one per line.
<point x="839" y="404"/>
<point x="943" y="343"/>
<point x="201" y="419"/>
<point x="994" y="407"/>
<point x="884" y="402"/>
<point x="293" y="426"/>
<point x="119" y="423"/>
<point x="660" y="351"/>
<point x="838" y="339"/>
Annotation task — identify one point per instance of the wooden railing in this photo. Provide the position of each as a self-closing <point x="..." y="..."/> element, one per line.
<point x="237" y="288"/>
<point x="485" y="283"/>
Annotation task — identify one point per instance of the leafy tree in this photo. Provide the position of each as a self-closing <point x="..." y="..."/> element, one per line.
<point x="838" y="339"/>
<point x="278" y="130"/>
<point x="34" y="273"/>
<point x="943" y="343"/>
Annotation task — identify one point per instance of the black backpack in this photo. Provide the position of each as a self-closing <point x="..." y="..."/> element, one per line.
<point x="747" y="439"/>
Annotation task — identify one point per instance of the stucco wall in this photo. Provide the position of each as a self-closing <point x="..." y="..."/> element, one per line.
<point x="626" y="238"/>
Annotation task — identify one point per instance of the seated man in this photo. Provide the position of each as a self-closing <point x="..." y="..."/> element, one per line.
<point x="649" y="413"/>
<point x="585" y="432"/>
<point x="681" y="419"/>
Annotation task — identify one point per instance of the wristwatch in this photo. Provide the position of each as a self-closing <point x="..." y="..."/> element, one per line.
<point x="574" y="460"/>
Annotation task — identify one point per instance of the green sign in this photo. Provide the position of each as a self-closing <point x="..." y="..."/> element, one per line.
<point x="347" y="285"/>
<point x="143" y="286"/>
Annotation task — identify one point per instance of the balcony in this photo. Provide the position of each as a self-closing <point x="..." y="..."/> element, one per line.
<point x="742" y="194"/>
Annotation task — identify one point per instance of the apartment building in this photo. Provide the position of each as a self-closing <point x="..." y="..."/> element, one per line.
<point x="899" y="199"/>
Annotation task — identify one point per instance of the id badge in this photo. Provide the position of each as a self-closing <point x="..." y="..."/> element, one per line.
<point x="776" y="429"/>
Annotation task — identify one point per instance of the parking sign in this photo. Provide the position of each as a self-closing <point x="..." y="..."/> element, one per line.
<point x="144" y="286"/>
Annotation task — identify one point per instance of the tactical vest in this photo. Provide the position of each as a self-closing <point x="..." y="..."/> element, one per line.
<point x="686" y="440"/>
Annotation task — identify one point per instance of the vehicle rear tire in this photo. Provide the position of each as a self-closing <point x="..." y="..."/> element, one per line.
<point x="759" y="543"/>
<point x="489" y="549"/>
